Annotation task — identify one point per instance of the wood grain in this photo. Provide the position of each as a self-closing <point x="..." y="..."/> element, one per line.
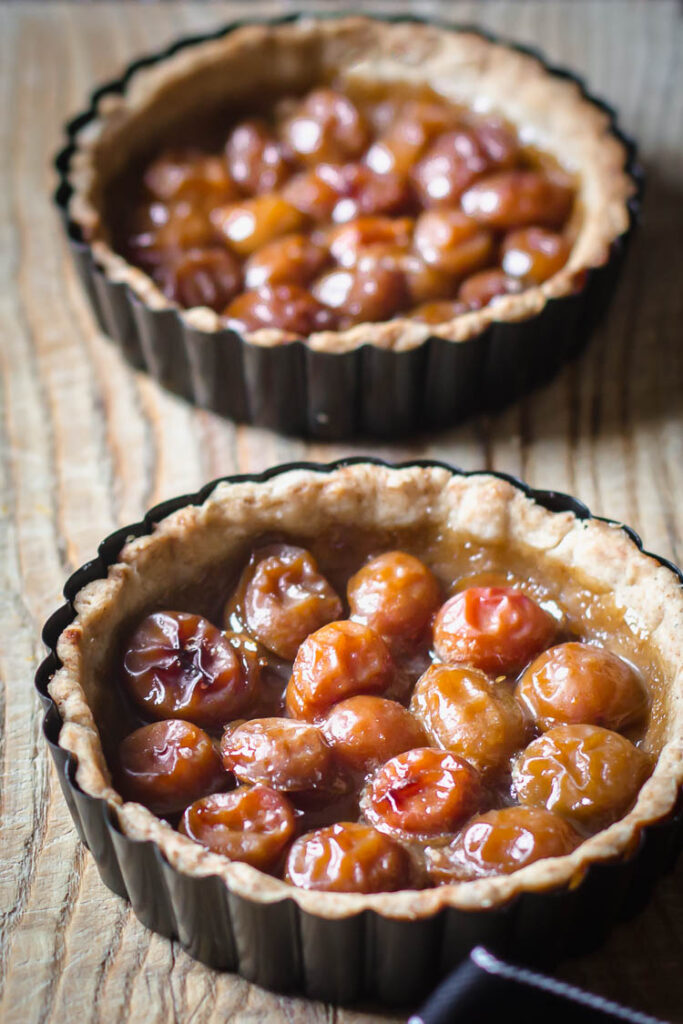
<point x="86" y="445"/>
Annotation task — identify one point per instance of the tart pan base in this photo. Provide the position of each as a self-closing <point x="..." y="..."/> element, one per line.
<point x="369" y="390"/>
<point x="367" y="956"/>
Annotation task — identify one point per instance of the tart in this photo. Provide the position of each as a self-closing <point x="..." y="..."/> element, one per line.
<point x="405" y="761"/>
<point x="370" y="186"/>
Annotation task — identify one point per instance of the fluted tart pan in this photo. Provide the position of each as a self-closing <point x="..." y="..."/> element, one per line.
<point x="379" y="379"/>
<point x="338" y="946"/>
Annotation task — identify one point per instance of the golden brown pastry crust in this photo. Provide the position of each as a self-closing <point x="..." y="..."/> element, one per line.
<point x="549" y="112"/>
<point x="479" y="508"/>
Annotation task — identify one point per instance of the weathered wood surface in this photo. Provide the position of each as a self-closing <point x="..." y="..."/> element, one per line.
<point x="87" y="445"/>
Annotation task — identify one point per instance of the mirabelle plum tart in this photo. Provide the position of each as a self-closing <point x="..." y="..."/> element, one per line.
<point x="348" y="120"/>
<point x="587" y="579"/>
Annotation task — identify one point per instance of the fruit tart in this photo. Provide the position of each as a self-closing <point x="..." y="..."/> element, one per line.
<point x="346" y="184"/>
<point x="403" y="691"/>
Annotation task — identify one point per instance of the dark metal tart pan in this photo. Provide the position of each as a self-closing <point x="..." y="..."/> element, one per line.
<point x="367" y="956"/>
<point x="368" y="390"/>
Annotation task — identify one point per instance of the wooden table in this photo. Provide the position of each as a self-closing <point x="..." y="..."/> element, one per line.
<point x="87" y="445"/>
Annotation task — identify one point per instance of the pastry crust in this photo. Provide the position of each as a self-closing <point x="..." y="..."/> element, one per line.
<point x="479" y="508"/>
<point x="549" y="112"/>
